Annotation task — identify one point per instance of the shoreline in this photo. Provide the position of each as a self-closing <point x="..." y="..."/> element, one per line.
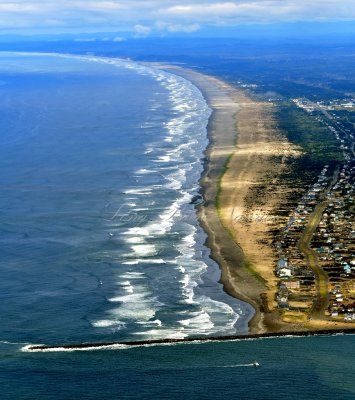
<point x="222" y="138"/>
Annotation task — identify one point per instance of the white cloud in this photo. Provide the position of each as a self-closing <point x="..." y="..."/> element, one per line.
<point x="141" y="30"/>
<point x="85" y="40"/>
<point x="260" y="11"/>
<point x="201" y="9"/>
<point x="17" y="7"/>
<point x="254" y="11"/>
<point x="174" y="28"/>
<point x="118" y="39"/>
<point x="147" y="16"/>
<point x="54" y="22"/>
<point x="105" y="6"/>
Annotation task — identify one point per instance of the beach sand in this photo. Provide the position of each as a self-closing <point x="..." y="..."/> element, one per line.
<point x="241" y="190"/>
<point x="233" y="244"/>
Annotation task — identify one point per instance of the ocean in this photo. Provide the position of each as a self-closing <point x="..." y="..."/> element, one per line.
<point x="100" y="162"/>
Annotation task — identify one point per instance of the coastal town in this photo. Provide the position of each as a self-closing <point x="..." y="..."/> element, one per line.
<point x="315" y="250"/>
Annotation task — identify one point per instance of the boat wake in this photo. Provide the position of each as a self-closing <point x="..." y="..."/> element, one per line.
<point x="254" y="364"/>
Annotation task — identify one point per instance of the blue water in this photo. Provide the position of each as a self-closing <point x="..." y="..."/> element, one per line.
<point x="99" y="241"/>
<point x="291" y="368"/>
<point x="99" y="162"/>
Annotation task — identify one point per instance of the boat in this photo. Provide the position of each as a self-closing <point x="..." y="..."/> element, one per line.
<point x="256" y="364"/>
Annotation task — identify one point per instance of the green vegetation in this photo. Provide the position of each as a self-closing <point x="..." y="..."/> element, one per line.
<point x="249" y="267"/>
<point x="219" y="183"/>
<point x="318" y="143"/>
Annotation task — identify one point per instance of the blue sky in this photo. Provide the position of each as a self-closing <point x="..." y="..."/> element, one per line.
<point x="146" y="17"/>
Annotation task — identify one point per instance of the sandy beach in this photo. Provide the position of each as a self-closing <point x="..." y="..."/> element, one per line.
<point x="243" y="142"/>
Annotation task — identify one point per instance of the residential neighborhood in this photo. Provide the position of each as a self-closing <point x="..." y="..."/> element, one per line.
<point x="315" y="250"/>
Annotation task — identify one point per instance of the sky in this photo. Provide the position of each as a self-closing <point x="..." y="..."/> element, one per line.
<point x="143" y="18"/>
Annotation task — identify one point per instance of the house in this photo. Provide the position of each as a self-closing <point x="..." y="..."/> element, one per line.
<point x="292" y="284"/>
<point x="335" y="313"/>
<point x="284" y="272"/>
<point x="282" y="263"/>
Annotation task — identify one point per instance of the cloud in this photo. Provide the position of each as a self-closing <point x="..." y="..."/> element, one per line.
<point x="141" y="30"/>
<point x="54" y="22"/>
<point x="260" y="11"/>
<point x="144" y="17"/>
<point x="118" y="39"/>
<point x="104" y="6"/>
<point x="255" y="11"/>
<point x="174" y="28"/>
<point x="201" y="9"/>
<point x="105" y="39"/>
<point x="17" y="7"/>
<point x="85" y="40"/>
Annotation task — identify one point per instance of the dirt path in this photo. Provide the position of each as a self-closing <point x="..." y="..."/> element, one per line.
<point x="321" y="302"/>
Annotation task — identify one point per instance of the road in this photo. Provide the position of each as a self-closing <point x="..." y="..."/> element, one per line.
<point x="322" y="282"/>
<point x="321" y="303"/>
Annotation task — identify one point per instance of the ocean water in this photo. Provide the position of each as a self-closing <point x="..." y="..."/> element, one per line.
<point x="99" y="241"/>
<point x="100" y="160"/>
<point x="293" y="368"/>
